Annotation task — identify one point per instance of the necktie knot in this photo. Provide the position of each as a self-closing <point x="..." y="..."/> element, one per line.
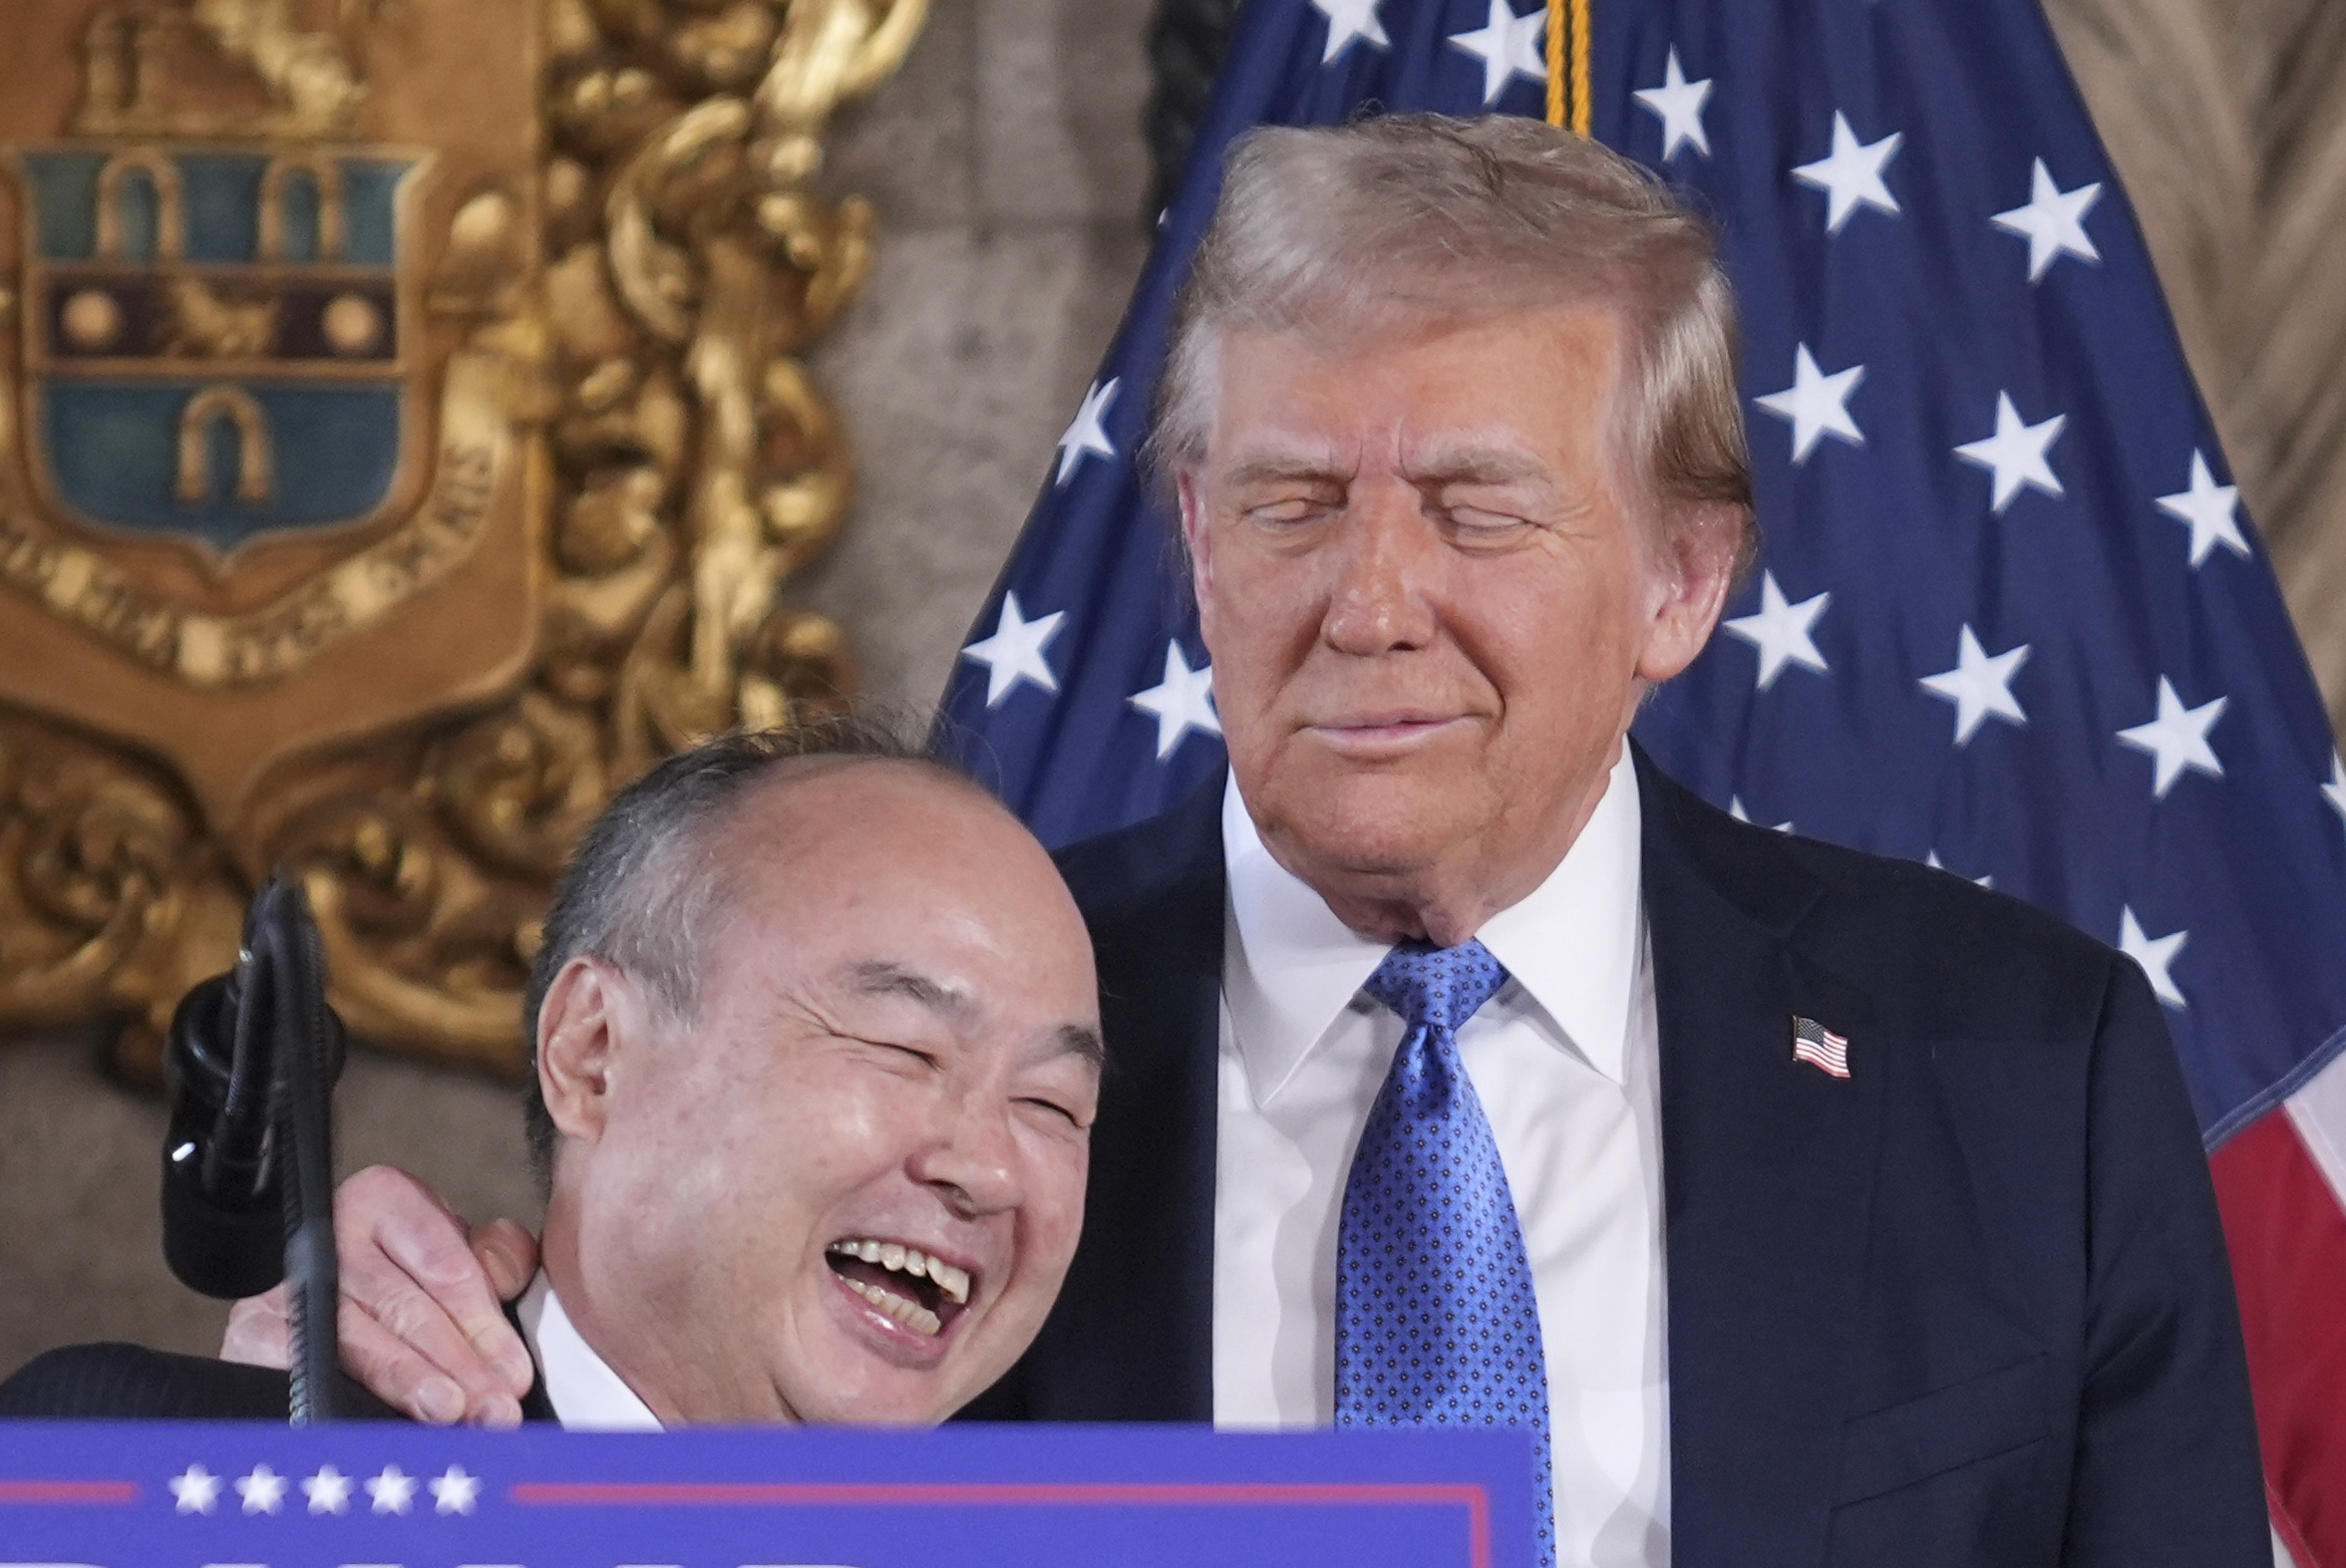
<point x="1436" y="987"/>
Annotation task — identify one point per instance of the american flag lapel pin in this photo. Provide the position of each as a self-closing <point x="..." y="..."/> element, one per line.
<point x="1819" y="1046"/>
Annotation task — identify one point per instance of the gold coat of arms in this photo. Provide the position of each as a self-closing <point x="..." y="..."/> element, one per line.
<point x="402" y="443"/>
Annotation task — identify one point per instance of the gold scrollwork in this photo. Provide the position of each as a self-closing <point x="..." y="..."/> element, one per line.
<point x="689" y="465"/>
<point x="696" y="467"/>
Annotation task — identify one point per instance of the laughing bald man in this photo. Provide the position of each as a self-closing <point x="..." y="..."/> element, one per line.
<point x="817" y="1058"/>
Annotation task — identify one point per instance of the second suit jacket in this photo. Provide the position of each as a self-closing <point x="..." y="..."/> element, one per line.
<point x="1969" y="1305"/>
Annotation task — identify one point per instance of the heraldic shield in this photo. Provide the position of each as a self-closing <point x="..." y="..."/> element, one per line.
<point x="268" y="474"/>
<point x="401" y="444"/>
<point x="189" y="309"/>
<point x="403" y="441"/>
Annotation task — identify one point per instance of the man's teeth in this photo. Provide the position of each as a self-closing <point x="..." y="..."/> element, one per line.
<point x="909" y="1313"/>
<point x="898" y="1258"/>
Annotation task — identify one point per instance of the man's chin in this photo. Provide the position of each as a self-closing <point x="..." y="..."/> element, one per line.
<point x="1383" y="827"/>
<point x="885" y="1396"/>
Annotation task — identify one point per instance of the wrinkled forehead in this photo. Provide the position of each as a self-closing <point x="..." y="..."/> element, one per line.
<point x="1568" y="388"/>
<point x="898" y="869"/>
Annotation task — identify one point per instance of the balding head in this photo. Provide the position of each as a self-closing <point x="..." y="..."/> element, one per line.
<point x="837" y="1174"/>
<point x="644" y="887"/>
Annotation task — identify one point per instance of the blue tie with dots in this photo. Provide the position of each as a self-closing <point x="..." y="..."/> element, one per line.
<point x="1435" y="1321"/>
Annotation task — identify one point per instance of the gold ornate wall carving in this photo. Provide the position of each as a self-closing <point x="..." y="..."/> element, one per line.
<point x="551" y="273"/>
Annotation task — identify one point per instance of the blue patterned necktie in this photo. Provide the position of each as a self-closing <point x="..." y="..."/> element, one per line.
<point x="1435" y="1321"/>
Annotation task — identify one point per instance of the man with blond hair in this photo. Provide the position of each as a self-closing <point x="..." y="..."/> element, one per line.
<point x="1805" y="1207"/>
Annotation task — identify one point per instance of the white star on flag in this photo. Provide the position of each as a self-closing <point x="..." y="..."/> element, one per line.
<point x="1936" y="865"/>
<point x="1781" y="631"/>
<point x="392" y="1490"/>
<point x="1979" y="686"/>
<point x="2014" y="454"/>
<point x="2335" y="790"/>
<point x="2053" y="222"/>
<point x="262" y="1490"/>
<point x="1015" y="652"/>
<point x="1736" y="810"/>
<point x="1183" y="702"/>
<point x="2153" y="953"/>
<point x="1508" y="47"/>
<point x="1679" y="102"/>
<point x="2178" y="739"/>
<point x="1816" y="404"/>
<point x="1851" y="175"/>
<point x="1084" y="433"/>
<point x="1348" y="20"/>
<point x="2211" y="511"/>
<point x="194" y="1489"/>
<point x="328" y="1491"/>
<point x="454" y="1491"/>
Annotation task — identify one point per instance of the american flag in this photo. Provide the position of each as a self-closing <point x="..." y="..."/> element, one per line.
<point x="2010" y="617"/>
<point x="1819" y="1046"/>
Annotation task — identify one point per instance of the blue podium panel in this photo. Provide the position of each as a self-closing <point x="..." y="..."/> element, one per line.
<point x="172" y="1494"/>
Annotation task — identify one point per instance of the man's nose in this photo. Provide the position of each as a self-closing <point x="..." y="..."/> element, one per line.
<point x="1386" y="555"/>
<point x="971" y="1157"/>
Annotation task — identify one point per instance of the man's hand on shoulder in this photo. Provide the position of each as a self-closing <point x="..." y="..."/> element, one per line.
<point x="422" y="1320"/>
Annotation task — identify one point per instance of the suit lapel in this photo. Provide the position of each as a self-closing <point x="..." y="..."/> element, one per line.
<point x="1766" y="1176"/>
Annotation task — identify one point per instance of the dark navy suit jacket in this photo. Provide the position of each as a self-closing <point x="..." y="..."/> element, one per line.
<point x="116" y="1382"/>
<point x="1968" y="1305"/>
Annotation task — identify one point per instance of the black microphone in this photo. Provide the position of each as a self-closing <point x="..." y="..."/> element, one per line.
<point x="223" y="1197"/>
<point x="248" y="1169"/>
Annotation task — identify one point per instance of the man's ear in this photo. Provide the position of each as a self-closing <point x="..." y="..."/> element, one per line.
<point x="590" y="1015"/>
<point x="1690" y="589"/>
<point x="1198" y="545"/>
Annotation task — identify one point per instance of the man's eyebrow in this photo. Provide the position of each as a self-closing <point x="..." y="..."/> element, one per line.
<point x="1269" y="466"/>
<point x="1075" y="1039"/>
<point x="879" y="977"/>
<point x="1474" y="465"/>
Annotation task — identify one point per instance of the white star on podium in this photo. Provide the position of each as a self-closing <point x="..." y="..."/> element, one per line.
<point x="262" y="1490"/>
<point x="195" y="1490"/>
<point x="453" y="1491"/>
<point x="328" y="1491"/>
<point x="392" y="1490"/>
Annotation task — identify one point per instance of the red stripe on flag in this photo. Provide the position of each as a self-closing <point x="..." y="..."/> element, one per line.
<point x="2289" y="1245"/>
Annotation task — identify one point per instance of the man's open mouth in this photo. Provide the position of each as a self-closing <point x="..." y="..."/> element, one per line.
<point x="920" y="1292"/>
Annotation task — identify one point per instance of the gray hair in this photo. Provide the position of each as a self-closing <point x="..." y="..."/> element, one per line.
<point x="647" y="886"/>
<point x="1411" y="217"/>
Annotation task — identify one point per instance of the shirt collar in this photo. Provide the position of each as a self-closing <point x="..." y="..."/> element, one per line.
<point x="587" y="1395"/>
<point x="1290" y="967"/>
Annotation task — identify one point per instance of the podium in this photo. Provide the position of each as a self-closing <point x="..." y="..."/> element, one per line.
<point x="161" y="1494"/>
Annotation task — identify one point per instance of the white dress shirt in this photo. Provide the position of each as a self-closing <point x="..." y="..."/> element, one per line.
<point x="587" y="1395"/>
<point x="1565" y="1061"/>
